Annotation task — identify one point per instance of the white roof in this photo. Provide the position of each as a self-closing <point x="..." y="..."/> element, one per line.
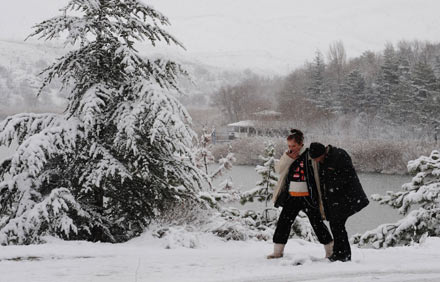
<point x="243" y="123"/>
<point x="267" y="113"/>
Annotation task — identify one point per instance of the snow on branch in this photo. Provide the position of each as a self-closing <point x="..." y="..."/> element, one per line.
<point x="264" y="187"/>
<point x="123" y="150"/>
<point x="129" y="21"/>
<point x="423" y="191"/>
<point x="225" y="165"/>
<point x="52" y="212"/>
<point x="34" y="152"/>
<point x="20" y="126"/>
<point x="411" y="229"/>
<point x="102" y="165"/>
<point x="93" y="105"/>
<point x="169" y="119"/>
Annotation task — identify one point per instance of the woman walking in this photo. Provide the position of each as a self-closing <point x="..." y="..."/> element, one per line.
<point x="296" y="191"/>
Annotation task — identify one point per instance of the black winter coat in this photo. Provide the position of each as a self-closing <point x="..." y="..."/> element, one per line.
<point x="343" y="192"/>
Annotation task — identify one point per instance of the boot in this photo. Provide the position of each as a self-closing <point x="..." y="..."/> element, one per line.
<point x="334" y="258"/>
<point x="278" y="251"/>
<point x="328" y="249"/>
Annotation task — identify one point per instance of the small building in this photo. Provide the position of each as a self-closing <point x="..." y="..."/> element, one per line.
<point x="240" y="129"/>
<point x="265" y="123"/>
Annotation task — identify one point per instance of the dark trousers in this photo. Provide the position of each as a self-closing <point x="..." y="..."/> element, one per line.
<point x="341" y="248"/>
<point x="290" y="210"/>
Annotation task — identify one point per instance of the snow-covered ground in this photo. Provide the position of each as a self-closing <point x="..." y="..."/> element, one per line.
<point x="151" y="259"/>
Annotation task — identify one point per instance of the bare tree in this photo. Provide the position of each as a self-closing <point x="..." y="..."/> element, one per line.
<point x="337" y="59"/>
<point x="240" y="101"/>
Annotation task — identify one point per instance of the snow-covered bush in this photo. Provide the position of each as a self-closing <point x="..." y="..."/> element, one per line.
<point x="235" y="224"/>
<point x="424" y="193"/>
<point x="121" y="154"/>
<point x="178" y="236"/>
<point x="264" y="187"/>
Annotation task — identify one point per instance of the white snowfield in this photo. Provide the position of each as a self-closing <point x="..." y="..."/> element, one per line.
<point x="151" y="259"/>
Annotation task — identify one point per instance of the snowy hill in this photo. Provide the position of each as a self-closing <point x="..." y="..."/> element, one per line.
<point x="280" y="35"/>
<point x="15" y="53"/>
<point x="21" y="62"/>
<point x="204" y="258"/>
<point x="269" y="35"/>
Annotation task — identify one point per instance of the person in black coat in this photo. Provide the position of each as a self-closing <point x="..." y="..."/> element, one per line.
<point x="342" y="193"/>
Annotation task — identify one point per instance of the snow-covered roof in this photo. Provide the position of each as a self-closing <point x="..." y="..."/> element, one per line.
<point x="243" y="123"/>
<point x="267" y="113"/>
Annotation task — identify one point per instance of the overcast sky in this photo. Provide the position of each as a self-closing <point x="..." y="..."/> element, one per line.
<point x="273" y="34"/>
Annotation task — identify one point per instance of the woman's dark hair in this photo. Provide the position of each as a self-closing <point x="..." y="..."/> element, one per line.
<point x="296" y="135"/>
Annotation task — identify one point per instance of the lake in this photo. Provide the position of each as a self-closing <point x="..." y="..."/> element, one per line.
<point x="245" y="177"/>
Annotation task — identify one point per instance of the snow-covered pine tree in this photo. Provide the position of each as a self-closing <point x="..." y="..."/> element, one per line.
<point x="264" y="189"/>
<point x="316" y="87"/>
<point x="401" y="109"/>
<point x="352" y="93"/>
<point x="121" y="153"/>
<point x="385" y="86"/>
<point x="423" y="79"/>
<point x="389" y="73"/>
<point x="424" y="192"/>
<point x="425" y="94"/>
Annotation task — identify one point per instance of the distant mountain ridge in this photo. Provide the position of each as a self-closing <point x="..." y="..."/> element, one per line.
<point x="21" y="62"/>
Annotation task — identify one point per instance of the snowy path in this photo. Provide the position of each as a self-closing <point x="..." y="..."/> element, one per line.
<point x="146" y="259"/>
